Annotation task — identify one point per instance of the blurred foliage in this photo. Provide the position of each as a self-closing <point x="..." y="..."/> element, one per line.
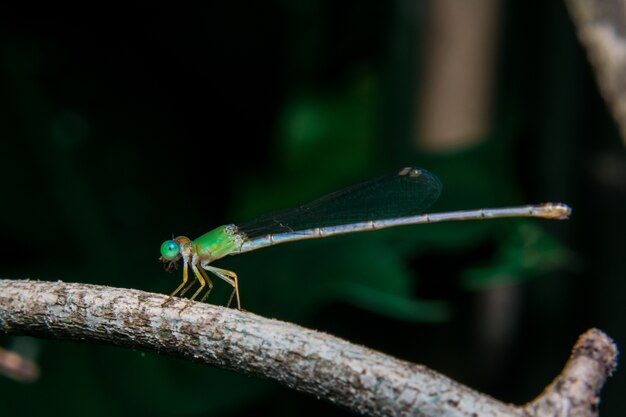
<point x="525" y="253"/>
<point x="122" y="127"/>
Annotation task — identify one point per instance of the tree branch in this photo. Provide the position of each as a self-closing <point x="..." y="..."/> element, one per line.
<point x="360" y="379"/>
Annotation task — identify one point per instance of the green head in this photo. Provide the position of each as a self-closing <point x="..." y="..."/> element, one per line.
<point x="170" y="250"/>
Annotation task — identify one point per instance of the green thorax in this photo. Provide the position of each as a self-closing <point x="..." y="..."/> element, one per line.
<point x="218" y="243"/>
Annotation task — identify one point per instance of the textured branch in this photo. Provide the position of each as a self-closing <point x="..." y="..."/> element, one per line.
<point x="352" y="376"/>
<point x="576" y="391"/>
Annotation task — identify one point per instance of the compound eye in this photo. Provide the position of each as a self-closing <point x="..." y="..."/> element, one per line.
<point x="169" y="250"/>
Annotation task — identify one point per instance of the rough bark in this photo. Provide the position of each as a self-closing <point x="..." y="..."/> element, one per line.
<point x="355" y="377"/>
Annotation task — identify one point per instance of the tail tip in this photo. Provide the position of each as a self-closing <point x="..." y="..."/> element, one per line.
<point x="559" y="211"/>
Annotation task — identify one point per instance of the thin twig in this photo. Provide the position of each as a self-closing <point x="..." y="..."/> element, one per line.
<point x="17" y="367"/>
<point x="360" y="379"/>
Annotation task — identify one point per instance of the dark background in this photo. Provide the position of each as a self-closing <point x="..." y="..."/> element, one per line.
<point x="122" y="126"/>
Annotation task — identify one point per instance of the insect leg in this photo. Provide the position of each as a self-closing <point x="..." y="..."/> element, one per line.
<point x="200" y="278"/>
<point x="185" y="275"/>
<point x="209" y="283"/>
<point x="231" y="278"/>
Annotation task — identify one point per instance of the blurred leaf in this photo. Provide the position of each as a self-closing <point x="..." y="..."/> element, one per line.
<point x="338" y="129"/>
<point x="526" y="253"/>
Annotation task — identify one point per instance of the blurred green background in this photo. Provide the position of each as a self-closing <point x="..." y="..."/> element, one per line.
<point x="122" y="126"/>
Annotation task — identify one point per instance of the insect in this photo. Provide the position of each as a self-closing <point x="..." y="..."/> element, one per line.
<point x="395" y="199"/>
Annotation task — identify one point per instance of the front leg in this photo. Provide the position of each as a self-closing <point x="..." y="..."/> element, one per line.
<point x="182" y="284"/>
<point x="185" y="277"/>
<point x="191" y="284"/>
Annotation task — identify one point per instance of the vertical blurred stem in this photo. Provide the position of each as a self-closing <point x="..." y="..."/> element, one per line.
<point x="456" y="87"/>
<point x="454" y="112"/>
<point x="601" y="27"/>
